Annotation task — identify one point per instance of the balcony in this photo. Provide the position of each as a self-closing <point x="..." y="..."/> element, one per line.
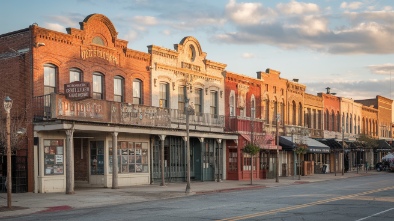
<point x="244" y="124"/>
<point x="57" y="107"/>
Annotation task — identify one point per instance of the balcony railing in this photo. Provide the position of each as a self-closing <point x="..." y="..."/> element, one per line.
<point x="56" y="106"/>
<point x="244" y="124"/>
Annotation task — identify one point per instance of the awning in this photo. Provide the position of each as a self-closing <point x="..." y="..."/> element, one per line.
<point x="383" y="146"/>
<point x="246" y="137"/>
<point x="331" y="142"/>
<point x="314" y="146"/>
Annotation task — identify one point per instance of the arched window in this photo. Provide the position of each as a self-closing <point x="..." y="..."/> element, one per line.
<point x="252" y="108"/>
<point x="50" y="79"/>
<point x="198" y="100"/>
<point x="232" y="103"/>
<point x="118" y="89"/>
<point x="98" y="86"/>
<point x="164" y="95"/>
<point x="294" y="113"/>
<point x="75" y="75"/>
<point x="98" y="40"/>
<point x="300" y="113"/>
<point x="137" y="91"/>
<point x="214" y="104"/>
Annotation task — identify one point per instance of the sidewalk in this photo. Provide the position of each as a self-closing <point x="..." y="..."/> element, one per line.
<point x="27" y="203"/>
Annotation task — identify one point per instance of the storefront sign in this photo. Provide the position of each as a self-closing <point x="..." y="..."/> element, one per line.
<point x="77" y="90"/>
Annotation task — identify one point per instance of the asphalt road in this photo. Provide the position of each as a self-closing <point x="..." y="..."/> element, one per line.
<point x="359" y="198"/>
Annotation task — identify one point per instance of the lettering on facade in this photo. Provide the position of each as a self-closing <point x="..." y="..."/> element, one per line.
<point x="77" y="109"/>
<point x="191" y="66"/>
<point x="77" y="90"/>
<point x="142" y="115"/>
<point x="89" y="53"/>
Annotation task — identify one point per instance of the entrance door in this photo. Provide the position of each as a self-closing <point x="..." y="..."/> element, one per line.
<point x="209" y="160"/>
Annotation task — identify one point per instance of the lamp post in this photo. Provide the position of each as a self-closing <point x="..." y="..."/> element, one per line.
<point x="294" y="155"/>
<point x="7" y="107"/>
<point x="277" y="148"/>
<point x="343" y="149"/>
<point x="187" y="146"/>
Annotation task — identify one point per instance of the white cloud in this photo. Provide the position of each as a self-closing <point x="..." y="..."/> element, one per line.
<point x="55" y="26"/>
<point x="351" y="5"/>
<point x="248" y="13"/>
<point x="247" y="55"/>
<point x="166" y="32"/>
<point x="145" y="20"/>
<point x="297" y="8"/>
<point x="382" y="68"/>
<point x="131" y="36"/>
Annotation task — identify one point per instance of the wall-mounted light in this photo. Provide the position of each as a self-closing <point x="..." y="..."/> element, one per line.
<point x="221" y="94"/>
<point x="154" y="82"/>
<point x="173" y="86"/>
<point x="206" y="91"/>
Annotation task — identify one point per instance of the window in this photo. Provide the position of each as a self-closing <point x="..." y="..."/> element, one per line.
<point x="137" y="88"/>
<point x="275" y="89"/>
<point x="53" y="157"/>
<point x="118" y="89"/>
<point x="198" y="101"/>
<point x="232" y="104"/>
<point x="214" y="104"/>
<point x="253" y="109"/>
<point x="163" y="102"/>
<point x="132" y="157"/>
<point x="181" y="99"/>
<point x="49" y="79"/>
<point x="97" y="157"/>
<point x="98" y="40"/>
<point x="97" y="86"/>
<point x="233" y="160"/>
<point x="75" y="75"/>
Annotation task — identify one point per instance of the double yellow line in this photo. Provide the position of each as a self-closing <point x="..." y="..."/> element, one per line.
<point x="285" y="209"/>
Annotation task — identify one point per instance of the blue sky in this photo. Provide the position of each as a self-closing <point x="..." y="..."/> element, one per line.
<point x="345" y="45"/>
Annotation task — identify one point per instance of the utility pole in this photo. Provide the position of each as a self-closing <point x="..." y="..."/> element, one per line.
<point x="343" y="149"/>
<point x="7" y="107"/>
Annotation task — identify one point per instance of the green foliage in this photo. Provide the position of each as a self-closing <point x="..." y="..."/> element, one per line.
<point x="301" y="149"/>
<point x="368" y="141"/>
<point x="251" y="149"/>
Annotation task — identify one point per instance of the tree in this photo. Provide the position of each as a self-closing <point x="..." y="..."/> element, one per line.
<point x="300" y="149"/>
<point x="252" y="150"/>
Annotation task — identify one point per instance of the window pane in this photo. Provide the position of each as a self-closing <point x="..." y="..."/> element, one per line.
<point x="163" y="95"/>
<point x="75" y="75"/>
<point x="213" y="103"/>
<point x="97" y="86"/>
<point x="137" y="91"/>
<point x="198" y="100"/>
<point x="118" y="89"/>
<point x="181" y="99"/>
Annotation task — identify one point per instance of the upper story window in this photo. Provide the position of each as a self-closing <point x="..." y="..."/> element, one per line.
<point x="198" y="96"/>
<point x="75" y="75"/>
<point x="98" y="83"/>
<point x="137" y="91"/>
<point x="232" y="104"/>
<point x="181" y="98"/>
<point x="274" y="89"/>
<point x="118" y="89"/>
<point x="164" y="95"/>
<point x="214" y="104"/>
<point x="50" y="78"/>
<point x="253" y="108"/>
<point x="98" y="40"/>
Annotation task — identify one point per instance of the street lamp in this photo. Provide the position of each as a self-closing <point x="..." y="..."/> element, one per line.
<point x="277" y="148"/>
<point x="7" y="107"/>
<point x="343" y="149"/>
<point x="187" y="145"/>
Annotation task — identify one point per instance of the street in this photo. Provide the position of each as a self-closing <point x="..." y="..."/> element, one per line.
<point x="358" y="198"/>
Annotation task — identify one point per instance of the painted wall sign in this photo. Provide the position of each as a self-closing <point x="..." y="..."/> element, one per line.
<point x="77" y="90"/>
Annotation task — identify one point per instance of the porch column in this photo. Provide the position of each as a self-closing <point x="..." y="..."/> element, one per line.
<point x="219" y="141"/>
<point x="115" y="160"/>
<point x="69" y="162"/>
<point x="162" y="139"/>
<point x="201" y="139"/>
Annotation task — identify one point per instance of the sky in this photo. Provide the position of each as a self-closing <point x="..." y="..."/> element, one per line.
<point x="345" y="45"/>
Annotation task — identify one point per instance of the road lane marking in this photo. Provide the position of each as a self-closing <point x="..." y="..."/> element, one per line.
<point x="375" y="214"/>
<point x="285" y="209"/>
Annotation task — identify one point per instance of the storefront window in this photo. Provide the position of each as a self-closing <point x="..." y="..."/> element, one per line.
<point x="132" y="157"/>
<point x="97" y="157"/>
<point x="53" y="157"/>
